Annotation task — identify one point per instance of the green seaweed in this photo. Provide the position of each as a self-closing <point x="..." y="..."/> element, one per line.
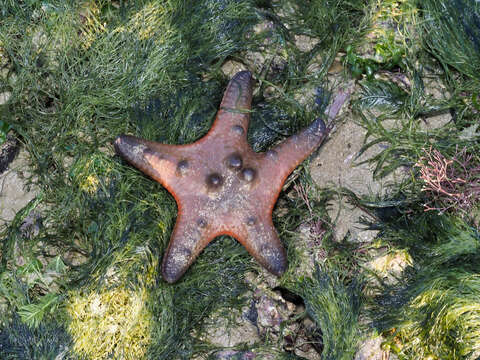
<point x="391" y="56"/>
<point x="433" y="311"/>
<point x="5" y="127"/>
<point x="48" y="341"/>
<point x="451" y="30"/>
<point x="335" y="308"/>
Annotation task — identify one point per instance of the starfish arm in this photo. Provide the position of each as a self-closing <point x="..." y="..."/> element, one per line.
<point x="162" y="162"/>
<point x="234" y="113"/>
<point x="280" y="161"/>
<point x="189" y="238"/>
<point x="263" y="243"/>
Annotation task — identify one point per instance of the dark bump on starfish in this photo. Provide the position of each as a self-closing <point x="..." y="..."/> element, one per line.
<point x="214" y="181"/>
<point x="248" y="174"/>
<point x="182" y="167"/>
<point x="237" y="129"/>
<point x="202" y="223"/>
<point x="234" y="161"/>
<point x="251" y="220"/>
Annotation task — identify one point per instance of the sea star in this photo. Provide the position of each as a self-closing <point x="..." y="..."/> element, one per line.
<point x="221" y="186"/>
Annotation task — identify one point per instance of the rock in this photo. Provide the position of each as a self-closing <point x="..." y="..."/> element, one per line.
<point x="470" y="133"/>
<point x="75" y="258"/>
<point x="435" y="122"/>
<point x="15" y="192"/>
<point x="337" y="165"/>
<point x="258" y="60"/>
<point x="371" y="350"/>
<point x="265" y="26"/>
<point x="231" y="67"/>
<point x="272" y="310"/>
<point x="4" y="97"/>
<point x="315" y="67"/>
<point x="8" y="151"/>
<point x="31" y="225"/>
<point x="268" y="317"/>
<point x="269" y="52"/>
<point x="305" y="95"/>
<point x="336" y="67"/>
<point x="278" y="320"/>
<point x="347" y="222"/>
<point x="255" y="60"/>
<point x="270" y="93"/>
<point x="308" y="342"/>
<point x="305" y="43"/>
<point x="336" y="161"/>
<point x="220" y="332"/>
<point x="264" y="279"/>
<point x="434" y="87"/>
<point x="235" y="355"/>
<point x="308" y="243"/>
<point x="390" y="266"/>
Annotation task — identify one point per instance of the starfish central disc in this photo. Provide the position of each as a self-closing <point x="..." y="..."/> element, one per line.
<point x="221" y="186"/>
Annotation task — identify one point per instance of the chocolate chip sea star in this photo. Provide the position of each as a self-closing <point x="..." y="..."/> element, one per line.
<point x="221" y="186"/>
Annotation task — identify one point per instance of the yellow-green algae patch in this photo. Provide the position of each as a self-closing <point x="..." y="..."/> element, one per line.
<point x="110" y="324"/>
<point x="150" y="21"/>
<point x="441" y="322"/>
<point x="90" y="172"/>
<point x="91" y="25"/>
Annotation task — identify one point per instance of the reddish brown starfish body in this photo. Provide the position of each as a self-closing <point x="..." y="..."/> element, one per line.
<point x="223" y="187"/>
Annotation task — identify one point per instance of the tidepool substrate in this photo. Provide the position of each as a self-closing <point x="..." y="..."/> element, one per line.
<point x="86" y="285"/>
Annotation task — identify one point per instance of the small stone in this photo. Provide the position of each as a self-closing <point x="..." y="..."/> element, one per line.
<point x="4" y="97"/>
<point x="14" y="192"/>
<point x="305" y="43"/>
<point x="371" y="349"/>
<point x="237" y="129"/>
<point x="436" y="122"/>
<point x="220" y="333"/>
<point x="231" y="67"/>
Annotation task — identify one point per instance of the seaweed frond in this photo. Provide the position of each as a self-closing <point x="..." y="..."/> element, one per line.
<point x="335" y="308"/>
